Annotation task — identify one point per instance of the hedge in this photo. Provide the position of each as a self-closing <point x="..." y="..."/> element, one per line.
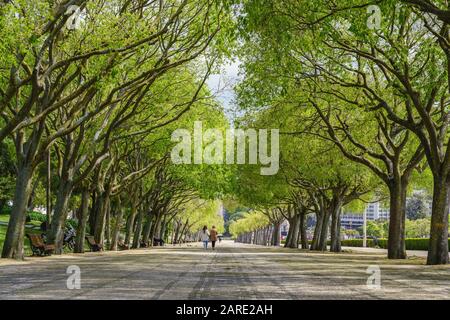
<point x="73" y="223"/>
<point x="411" y="243"/>
<point x="5" y="210"/>
<point x="36" y="216"/>
<point x="356" y="243"/>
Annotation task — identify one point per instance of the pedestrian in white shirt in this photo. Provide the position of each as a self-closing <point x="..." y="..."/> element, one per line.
<point x="204" y="237"/>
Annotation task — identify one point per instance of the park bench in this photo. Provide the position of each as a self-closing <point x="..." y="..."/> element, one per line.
<point x="94" y="246"/>
<point x="143" y="244"/>
<point x="122" y="246"/>
<point x="38" y="247"/>
<point x="158" y="242"/>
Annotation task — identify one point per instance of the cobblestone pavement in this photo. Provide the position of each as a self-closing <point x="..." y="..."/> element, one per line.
<point x="233" y="271"/>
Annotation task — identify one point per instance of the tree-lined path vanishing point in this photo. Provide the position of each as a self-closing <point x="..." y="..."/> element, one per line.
<point x="234" y="271"/>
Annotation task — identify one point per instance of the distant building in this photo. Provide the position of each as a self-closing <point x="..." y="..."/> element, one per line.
<point x="284" y="228"/>
<point x="352" y="220"/>
<point x="374" y="211"/>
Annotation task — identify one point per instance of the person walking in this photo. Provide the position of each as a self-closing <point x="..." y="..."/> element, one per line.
<point x="204" y="237"/>
<point x="213" y="237"/>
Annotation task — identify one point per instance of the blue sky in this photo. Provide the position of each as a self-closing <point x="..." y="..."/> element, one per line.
<point x="222" y="86"/>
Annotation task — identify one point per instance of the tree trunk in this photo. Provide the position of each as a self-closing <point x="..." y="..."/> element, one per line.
<point x="162" y="230"/>
<point x="184" y="235"/>
<point x="93" y="212"/>
<point x="82" y="222"/>
<point x="147" y="230"/>
<point x="177" y="230"/>
<point x="13" y="245"/>
<point x="182" y="231"/>
<point x="322" y="244"/>
<point x="138" y="231"/>
<point x="48" y="198"/>
<point x="294" y="227"/>
<point x="130" y="222"/>
<point x="303" y="235"/>
<point x="166" y="233"/>
<point x="317" y="231"/>
<point x="438" y="245"/>
<point x="335" y="245"/>
<point x="172" y="233"/>
<point x="108" y="225"/>
<point x="156" y="228"/>
<point x="99" y="226"/>
<point x="289" y="235"/>
<point x="276" y="235"/>
<point x="396" y="239"/>
<point x="34" y="185"/>
<point x="117" y="225"/>
<point x="56" y="233"/>
<point x="267" y="240"/>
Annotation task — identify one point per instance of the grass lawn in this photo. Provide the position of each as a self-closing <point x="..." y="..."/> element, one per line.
<point x="27" y="249"/>
<point x="4" y="218"/>
<point x="2" y="235"/>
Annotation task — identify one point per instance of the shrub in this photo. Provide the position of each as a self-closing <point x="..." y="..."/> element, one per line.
<point x="6" y="210"/>
<point x="72" y="222"/>
<point x="356" y="243"/>
<point x="410" y="243"/>
<point x="383" y="243"/>
<point x="417" y="243"/>
<point x="37" y="216"/>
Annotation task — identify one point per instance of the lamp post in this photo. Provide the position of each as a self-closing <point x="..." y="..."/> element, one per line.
<point x="365" y="228"/>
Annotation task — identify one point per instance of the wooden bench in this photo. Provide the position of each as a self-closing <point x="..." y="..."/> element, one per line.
<point x="158" y="242"/>
<point x="94" y="246"/>
<point x="122" y="246"/>
<point x="38" y="247"/>
<point x="143" y="244"/>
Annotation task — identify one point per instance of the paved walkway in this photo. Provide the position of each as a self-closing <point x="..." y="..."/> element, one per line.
<point x="234" y="271"/>
<point x="409" y="253"/>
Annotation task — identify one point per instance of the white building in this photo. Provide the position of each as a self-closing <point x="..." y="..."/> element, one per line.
<point x="374" y="211"/>
<point x="351" y="220"/>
